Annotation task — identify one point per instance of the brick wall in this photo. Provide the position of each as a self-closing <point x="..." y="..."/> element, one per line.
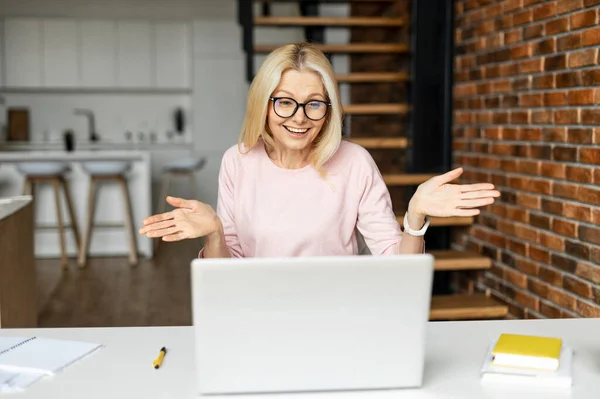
<point x="527" y="118"/>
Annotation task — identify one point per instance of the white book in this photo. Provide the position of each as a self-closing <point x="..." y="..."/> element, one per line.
<point x="41" y="355"/>
<point x="561" y="378"/>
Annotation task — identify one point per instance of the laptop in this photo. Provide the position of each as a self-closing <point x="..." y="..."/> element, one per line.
<point x="281" y="325"/>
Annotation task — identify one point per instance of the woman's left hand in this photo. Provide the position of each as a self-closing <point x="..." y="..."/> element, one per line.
<point x="438" y="198"/>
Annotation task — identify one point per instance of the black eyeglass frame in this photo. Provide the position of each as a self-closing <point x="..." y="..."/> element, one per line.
<point x="303" y="105"/>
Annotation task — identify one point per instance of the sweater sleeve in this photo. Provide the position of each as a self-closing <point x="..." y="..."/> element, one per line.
<point x="376" y="220"/>
<point x="226" y="203"/>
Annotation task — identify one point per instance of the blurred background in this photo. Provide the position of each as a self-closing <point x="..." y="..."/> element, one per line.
<point x="108" y="106"/>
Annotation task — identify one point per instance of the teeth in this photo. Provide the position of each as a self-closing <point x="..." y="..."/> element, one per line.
<point x="291" y="129"/>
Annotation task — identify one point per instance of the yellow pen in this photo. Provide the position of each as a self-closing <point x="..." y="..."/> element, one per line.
<point x="157" y="363"/>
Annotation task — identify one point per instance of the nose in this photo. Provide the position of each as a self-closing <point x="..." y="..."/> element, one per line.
<point x="299" y="117"/>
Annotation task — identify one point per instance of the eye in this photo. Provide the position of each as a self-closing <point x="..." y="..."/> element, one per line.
<point x="315" y="104"/>
<point x="285" y="103"/>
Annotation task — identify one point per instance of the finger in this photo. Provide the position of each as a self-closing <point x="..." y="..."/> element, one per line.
<point x="180" y="202"/>
<point x="175" y="237"/>
<point x="480" y="194"/>
<point x="476" y="187"/>
<point x="157" y="226"/>
<point x="466" y="212"/>
<point x="474" y="203"/>
<point x="158" y="218"/>
<point x="449" y="176"/>
<point x="163" y="232"/>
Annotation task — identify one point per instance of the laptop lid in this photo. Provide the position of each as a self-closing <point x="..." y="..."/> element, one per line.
<point x="311" y="323"/>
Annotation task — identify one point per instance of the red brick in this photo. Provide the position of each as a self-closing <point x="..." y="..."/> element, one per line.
<point x="580" y="135"/>
<point x="521" y="117"/>
<point x="550" y="275"/>
<point x="589" y="272"/>
<point x="557" y="26"/>
<point x="527" y="266"/>
<point x="590" y="116"/>
<point x="550" y="311"/>
<point x="522" y="17"/>
<point x="537" y="287"/>
<point x="566" y="116"/>
<point x="543" y="82"/>
<point x="513" y="36"/>
<point x="558" y="134"/>
<point x="564" y="227"/>
<point x="531" y="100"/>
<point x="587" y="310"/>
<point x="577" y="286"/>
<point x="554" y="170"/>
<point x="577" y="211"/>
<point x="544" y="46"/>
<point x="515" y="277"/>
<point x="581" y="97"/>
<point x="526" y="299"/>
<point x="579" y="174"/>
<point x="530" y="134"/>
<point x="555" y="62"/>
<point x="561" y="298"/>
<point x="510" y="5"/>
<point x="591" y="196"/>
<point x="520" y="215"/>
<point x="568" y="79"/>
<point x="552" y="206"/>
<point x="539" y="221"/>
<point x="565" y="190"/>
<point x="589" y="155"/>
<point x="523" y="83"/>
<point x="569" y="42"/>
<point x="551" y="241"/>
<point x="589" y="234"/>
<point x="521" y="51"/>
<point x="531" y="66"/>
<point x="583" y="19"/>
<point x="590" y="77"/>
<point x="545" y="11"/>
<point x="590" y="3"/>
<point x="542" y="116"/>
<point x="510" y="133"/>
<point x="583" y="58"/>
<point x="564" y="6"/>
<point x="529" y="201"/>
<point x="591" y="37"/>
<point x="555" y="98"/>
<point x="532" y="32"/>
<point x="565" y="154"/>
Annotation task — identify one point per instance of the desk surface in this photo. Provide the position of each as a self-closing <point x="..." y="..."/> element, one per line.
<point x="11" y="205"/>
<point x="455" y="350"/>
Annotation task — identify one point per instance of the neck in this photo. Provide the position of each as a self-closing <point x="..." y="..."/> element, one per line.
<point x="288" y="159"/>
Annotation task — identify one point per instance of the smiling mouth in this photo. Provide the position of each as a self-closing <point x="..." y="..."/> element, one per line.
<point x="295" y="130"/>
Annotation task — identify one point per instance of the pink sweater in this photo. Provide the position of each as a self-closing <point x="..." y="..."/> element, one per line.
<point x="270" y="211"/>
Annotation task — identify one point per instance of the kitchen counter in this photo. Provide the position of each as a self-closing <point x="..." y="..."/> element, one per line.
<point x="93" y="146"/>
<point x="17" y="265"/>
<point x="110" y="238"/>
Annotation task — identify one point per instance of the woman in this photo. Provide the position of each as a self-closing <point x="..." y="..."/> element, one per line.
<point x="293" y="187"/>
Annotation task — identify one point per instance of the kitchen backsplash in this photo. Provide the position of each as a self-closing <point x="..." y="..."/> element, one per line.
<point x="147" y="117"/>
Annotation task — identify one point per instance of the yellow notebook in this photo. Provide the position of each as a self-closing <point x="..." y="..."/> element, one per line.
<point x="526" y="351"/>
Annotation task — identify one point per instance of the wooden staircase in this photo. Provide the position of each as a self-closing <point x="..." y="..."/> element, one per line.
<point x="461" y="306"/>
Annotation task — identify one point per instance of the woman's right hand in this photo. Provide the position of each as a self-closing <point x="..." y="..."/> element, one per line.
<point x="190" y="219"/>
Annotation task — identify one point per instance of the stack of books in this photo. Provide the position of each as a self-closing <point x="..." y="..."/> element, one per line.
<point x="528" y="360"/>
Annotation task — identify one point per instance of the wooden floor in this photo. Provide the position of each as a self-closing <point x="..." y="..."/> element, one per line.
<point x="110" y="293"/>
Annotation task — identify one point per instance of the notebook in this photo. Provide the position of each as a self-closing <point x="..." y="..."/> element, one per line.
<point x="527" y="351"/>
<point x="41" y="355"/>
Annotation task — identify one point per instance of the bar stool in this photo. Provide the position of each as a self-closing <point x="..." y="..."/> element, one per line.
<point x="54" y="173"/>
<point x="107" y="172"/>
<point x="184" y="167"/>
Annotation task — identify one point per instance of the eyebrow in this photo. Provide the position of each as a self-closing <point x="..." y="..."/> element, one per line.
<point x="309" y="96"/>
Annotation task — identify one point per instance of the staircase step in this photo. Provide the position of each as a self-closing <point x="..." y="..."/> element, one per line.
<point x="373" y="109"/>
<point x="465" y="307"/>
<point x="330" y="21"/>
<point x="406" y="179"/>
<point x="345" y="48"/>
<point x="450" y="221"/>
<point x="460" y="260"/>
<point x="372" y="77"/>
<point x="380" y="142"/>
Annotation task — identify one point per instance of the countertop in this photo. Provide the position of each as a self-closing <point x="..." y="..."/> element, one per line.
<point x="93" y="146"/>
<point x="75" y="156"/>
<point x="8" y="206"/>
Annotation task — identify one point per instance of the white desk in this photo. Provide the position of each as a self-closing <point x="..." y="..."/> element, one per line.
<point x="454" y="354"/>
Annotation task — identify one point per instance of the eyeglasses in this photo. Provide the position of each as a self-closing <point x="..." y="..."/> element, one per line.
<point x="314" y="110"/>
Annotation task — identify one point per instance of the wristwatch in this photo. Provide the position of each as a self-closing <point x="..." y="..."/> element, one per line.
<point x="417" y="233"/>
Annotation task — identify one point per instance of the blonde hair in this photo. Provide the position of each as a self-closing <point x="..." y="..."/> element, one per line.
<point x="299" y="57"/>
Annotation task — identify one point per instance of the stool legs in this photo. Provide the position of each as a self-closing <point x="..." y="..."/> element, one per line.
<point x="133" y="253"/>
<point x="85" y="245"/>
<point x="28" y="187"/>
<point x="59" y="219"/>
<point x="74" y="225"/>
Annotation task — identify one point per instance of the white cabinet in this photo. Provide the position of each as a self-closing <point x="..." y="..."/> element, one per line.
<point x="172" y="54"/>
<point x="85" y="54"/>
<point x="23" y="52"/>
<point x="60" y="62"/>
<point x="98" y="53"/>
<point x="134" y="56"/>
